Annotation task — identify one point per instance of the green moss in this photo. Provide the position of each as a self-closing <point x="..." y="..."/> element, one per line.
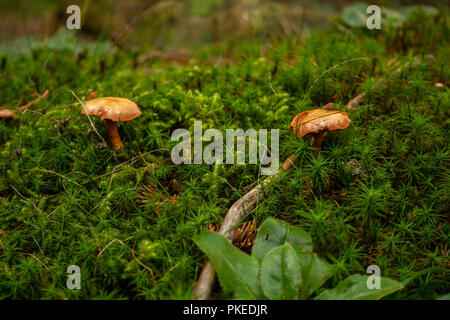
<point x="377" y="193"/>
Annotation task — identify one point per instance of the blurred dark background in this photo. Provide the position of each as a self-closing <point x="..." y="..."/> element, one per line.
<point x="175" y="23"/>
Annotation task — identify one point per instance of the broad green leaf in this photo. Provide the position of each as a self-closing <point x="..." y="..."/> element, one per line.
<point x="280" y="274"/>
<point x="355" y="15"/>
<point x="315" y="271"/>
<point x="237" y="272"/>
<point x="429" y="11"/>
<point x="444" y="297"/>
<point x="274" y="233"/>
<point x="355" y="288"/>
<point x="392" y="17"/>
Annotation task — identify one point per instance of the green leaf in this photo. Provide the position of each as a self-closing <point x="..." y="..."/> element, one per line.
<point x="280" y="273"/>
<point x="274" y="233"/>
<point x="444" y="297"/>
<point x="237" y="272"/>
<point x="429" y="11"/>
<point x="355" y="15"/>
<point x="355" y="288"/>
<point x="393" y="17"/>
<point x="315" y="271"/>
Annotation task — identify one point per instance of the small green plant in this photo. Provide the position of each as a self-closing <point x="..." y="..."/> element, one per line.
<point x="282" y="266"/>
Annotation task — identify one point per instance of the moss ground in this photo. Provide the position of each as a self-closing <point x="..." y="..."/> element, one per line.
<point x="376" y="194"/>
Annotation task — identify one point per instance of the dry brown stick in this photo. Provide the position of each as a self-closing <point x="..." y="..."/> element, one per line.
<point x="146" y="267"/>
<point x="237" y="211"/>
<point x="55" y="173"/>
<point x="353" y="104"/>
<point x="11" y="113"/>
<point x="29" y="104"/>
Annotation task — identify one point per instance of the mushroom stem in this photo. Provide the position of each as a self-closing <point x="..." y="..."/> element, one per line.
<point x="316" y="140"/>
<point x="113" y="134"/>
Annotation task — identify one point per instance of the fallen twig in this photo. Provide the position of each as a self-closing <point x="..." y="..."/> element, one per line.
<point x="103" y="250"/>
<point x="56" y="173"/>
<point x="146" y="267"/>
<point x="43" y="96"/>
<point x="353" y="104"/>
<point x="11" y="113"/>
<point x="26" y="199"/>
<point x="237" y="211"/>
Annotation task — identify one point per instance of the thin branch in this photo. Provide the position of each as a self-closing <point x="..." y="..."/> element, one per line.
<point x="23" y="197"/>
<point x="146" y="267"/>
<point x="56" y="173"/>
<point x="235" y="214"/>
<point x="37" y="259"/>
<point x="334" y="67"/>
<point x="270" y="83"/>
<point x="107" y="246"/>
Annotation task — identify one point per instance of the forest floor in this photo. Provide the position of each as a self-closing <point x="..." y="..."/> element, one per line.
<point x="378" y="192"/>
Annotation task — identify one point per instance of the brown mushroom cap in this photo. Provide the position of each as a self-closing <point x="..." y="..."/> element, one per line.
<point x="111" y="108"/>
<point x="319" y="120"/>
<point x="7" y="113"/>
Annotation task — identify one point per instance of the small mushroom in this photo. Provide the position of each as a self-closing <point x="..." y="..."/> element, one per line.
<point x="112" y="110"/>
<point x="7" y="114"/>
<point x="317" y="123"/>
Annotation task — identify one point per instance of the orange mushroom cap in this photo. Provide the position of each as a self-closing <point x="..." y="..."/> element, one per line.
<point x="319" y="120"/>
<point x="7" y="113"/>
<point x="112" y="108"/>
